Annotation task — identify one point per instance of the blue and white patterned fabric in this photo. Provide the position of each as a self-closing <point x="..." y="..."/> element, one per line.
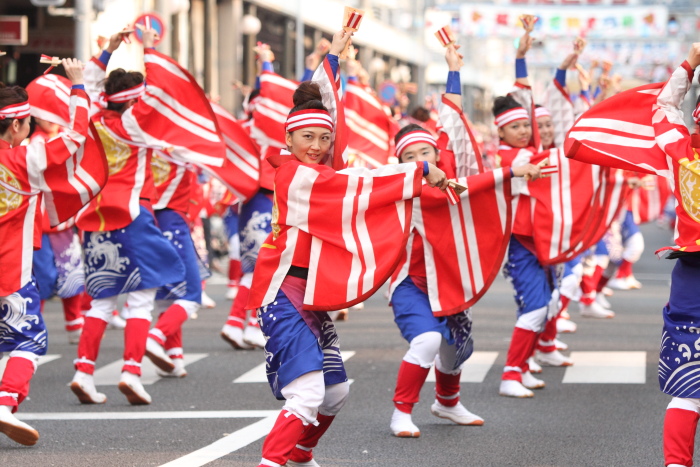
<point x="21" y="324"/>
<point x="177" y="232"/>
<point x="413" y="315"/>
<point x="296" y="346"/>
<point x="460" y="325"/>
<point x="255" y="224"/>
<point x="58" y="265"/>
<point x="533" y="283"/>
<point x="137" y="257"/>
<point x="679" y="359"/>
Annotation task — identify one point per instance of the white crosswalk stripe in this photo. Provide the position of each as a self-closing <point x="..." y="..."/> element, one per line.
<point x="607" y="368"/>
<point x="258" y="374"/>
<point x="600" y="367"/>
<point x="42" y="360"/>
<point x="110" y="374"/>
<point x="474" y="369"/>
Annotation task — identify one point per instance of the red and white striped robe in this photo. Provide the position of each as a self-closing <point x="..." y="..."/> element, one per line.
<point x="348" y="227"/>
<point x="54" y="168"/>
<point x="329" y="85"/>
<point x="459" y="248"/>
<point x="272" y="106"/>
<point x="463" y="245"/>
<point x="643" y="130"/>
<point x="240" y="173"/>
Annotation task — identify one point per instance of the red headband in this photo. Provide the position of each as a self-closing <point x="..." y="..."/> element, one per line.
<point x="542" y="112"/>
<point x="511" y="115"/>
<point x="413" y="137"/>
<point x="19" y="111"/>
<point x="309" y="118"/>
<point x="127" y="94"/>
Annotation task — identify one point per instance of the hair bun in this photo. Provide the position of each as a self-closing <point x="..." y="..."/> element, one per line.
<point x="307" y="91"/>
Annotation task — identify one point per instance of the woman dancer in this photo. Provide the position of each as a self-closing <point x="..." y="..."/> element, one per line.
<point x="303" y="355"/>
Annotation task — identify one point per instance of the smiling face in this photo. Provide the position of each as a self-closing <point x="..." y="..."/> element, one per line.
<point x="419" y="152"/>
<point x="309" y="145"/>
<point x="516" y="134"/>
<point x="546" y="129"/>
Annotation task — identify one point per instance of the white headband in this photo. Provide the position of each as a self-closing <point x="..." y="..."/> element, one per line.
<point x="511" y="115"/>
<point x="309" y="118"/>
<point x="19" y="111"/>
<point x="542" y="112"/>
<point x="413" y="137"/>
<point x="128" y="94"/>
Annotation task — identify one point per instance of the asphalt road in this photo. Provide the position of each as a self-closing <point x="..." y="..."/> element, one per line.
<point x="612" y="417"/>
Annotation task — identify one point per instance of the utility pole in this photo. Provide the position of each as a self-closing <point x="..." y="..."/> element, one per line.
<point x="299" y="52"/>
<point x="83" y="18"/>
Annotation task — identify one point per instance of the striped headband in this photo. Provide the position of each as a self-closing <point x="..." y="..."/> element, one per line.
<point x="308" y="118"/>
<point x="18" y="111"/>
<point x="413" y="137"/>
<point x="542" y="112"/>
<point x="696" y="115"/>
<point x="511" y="115"/>
<point x="127" y="94"/>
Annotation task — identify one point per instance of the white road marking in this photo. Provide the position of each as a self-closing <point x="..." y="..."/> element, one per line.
<point x="43" y="359"/>
<point x="474" y="369"/>
<point x="227" y="444"/>
<point x="259" y="375"/>
<point x="110" y="374"/>
<point x="147" y="415"/>
<point x="607" y="368"/>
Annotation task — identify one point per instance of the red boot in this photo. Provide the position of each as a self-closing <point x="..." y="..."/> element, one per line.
<point x="284" y="436"/>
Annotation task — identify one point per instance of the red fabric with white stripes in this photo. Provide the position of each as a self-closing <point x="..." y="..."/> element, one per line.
<point x="49" y="97"/>
<point x="241" y="170"/>
<point x="174" y="117"/>
<point x="272" y="108"/>
<point x="643" y="130"/>
<point x="175" y="114"/>
<point x="462" y="244"/>
<point x="567" y="204"/>
<point x="370" y="130"/>
<point x="352" y="224"/>
<point x="68" y="170"/>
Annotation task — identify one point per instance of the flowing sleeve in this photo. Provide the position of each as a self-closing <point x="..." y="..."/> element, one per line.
<point x="359" y="220"/>
<point x="94" y="75"/>
<point x="672" y="134"/>
<point x="460" y="140"/>
<point x="329" y="84"/>
<point x="71" y="168"/>
<point x="174" y="115"/>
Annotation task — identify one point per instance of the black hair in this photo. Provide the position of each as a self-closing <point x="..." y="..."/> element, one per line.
<point x="503" y="104"/>
<point x="120" y="80"/>
<point x="421" y="114"/>
<point x="307" y="97"/>
<point x="10" y="95"/>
